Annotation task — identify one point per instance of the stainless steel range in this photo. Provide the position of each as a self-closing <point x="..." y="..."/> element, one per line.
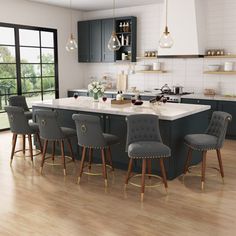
<point x="174" y="98"/>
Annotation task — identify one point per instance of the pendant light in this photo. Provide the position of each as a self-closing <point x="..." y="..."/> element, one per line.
<point x="166" y="40"/>
<point x="71" y="44"/>
<point x="114" y="43"/>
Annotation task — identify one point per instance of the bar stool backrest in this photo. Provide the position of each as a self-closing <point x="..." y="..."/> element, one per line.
<point x="142" y="127"/>
<point x="17" y="120"/>
<point x="18" y="101"/>
<point x="218" y="126"/>
<point x="89" y="131"/>
<point x="49" y="128"/>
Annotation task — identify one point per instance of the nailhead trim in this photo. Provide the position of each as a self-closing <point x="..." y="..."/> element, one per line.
<point x="199" y="149"/>
<point x="151" y="157"/>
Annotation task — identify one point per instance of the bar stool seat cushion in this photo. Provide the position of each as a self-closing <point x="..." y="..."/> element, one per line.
<point x="34" y="127"/>
<point x="110" y="139"/>
<point x="148" y="149"/>
<point x="68" y="132"/>
<point x="28" y="114"/>
<point x="201" y="141"/>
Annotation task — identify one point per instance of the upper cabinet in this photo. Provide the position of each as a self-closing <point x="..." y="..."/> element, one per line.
<point x="94" y="35"/>
<point x="83" y="45"/>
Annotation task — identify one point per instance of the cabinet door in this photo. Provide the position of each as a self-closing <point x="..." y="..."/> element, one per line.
<point x="95" y="41"/>
<point x="230" y="107"/>
<point x="83" y="41"/>
<point x="107" y="28"/>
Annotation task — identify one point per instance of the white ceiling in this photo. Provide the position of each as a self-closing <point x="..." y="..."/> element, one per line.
<point x="92" y="5"/>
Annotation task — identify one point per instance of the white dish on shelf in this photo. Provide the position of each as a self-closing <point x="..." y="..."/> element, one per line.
<point x="213" y="67"/>
<point x="142" y="67"/>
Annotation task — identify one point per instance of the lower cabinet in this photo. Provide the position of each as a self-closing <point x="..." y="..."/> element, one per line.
<point x="226" y="106"/>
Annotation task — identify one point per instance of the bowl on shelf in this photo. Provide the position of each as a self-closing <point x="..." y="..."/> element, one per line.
<point x="213" y="67"/>
<point x="138" y="103"/>
<point x="142" y="67"/>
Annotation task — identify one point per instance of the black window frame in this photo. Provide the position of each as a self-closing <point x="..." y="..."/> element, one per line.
<point x="17" y="28"/>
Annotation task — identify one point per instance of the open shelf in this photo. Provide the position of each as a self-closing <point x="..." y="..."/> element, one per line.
<point x="220" y="72"/>
<point x="151" y="71"/>
<point x="223" y="56"/>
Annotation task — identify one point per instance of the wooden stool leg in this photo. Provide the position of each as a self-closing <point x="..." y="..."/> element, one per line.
<point x="23" y="143"/>
<point x="129" y="171"/>
<point x="110" y="158"/>
<point x="189" y="157"/>
<point x="82" y="164"/>
<point x="30" y="148"/>
<point x="203" y="168"/>
<point x="163" y="172"/>
<point x="90" y="158"/>
<point x="44" y="154"/>
<point x="53" y="150"/>
<point x="71" y="150"/>
<point x="40" y="143"/>
<point x="104" y="168"/>
<point x="144" y="163"/>
<point x="63" y="157"/>
<point x="14" y="139"/>
<point x="149" y="164"/>
<point x="220" y="164"/>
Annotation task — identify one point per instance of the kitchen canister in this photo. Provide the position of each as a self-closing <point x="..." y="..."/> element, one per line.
<point x="229" y="66"/>
<point x="156" y="66"/>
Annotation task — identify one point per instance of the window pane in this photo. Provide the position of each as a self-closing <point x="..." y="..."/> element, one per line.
<point x="8" y="86"/>
<point x="7" y="36"/>
<point x="30" y="85"/>
<point x="4" y="123"/>
<point x="48" y="70"/>
<point x="48" y="83"/>
<point x="7" y="54"/>
<point x="29" y="55"/>
<point x="3" y="102"/>
<point x="47" y="39"/>
<point x="7" y="71"/>
<point x="29" y="37"/>
<point x="32" y="97"/>
<point x="30" y="70"/>
<point x="49" y="95"/>
<point x="47" y="55"/>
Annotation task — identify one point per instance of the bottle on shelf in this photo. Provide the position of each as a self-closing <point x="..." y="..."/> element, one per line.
<point x="127" y="40"/>
<point x="120" y="27"/>
<point x="122" y="40"/>
<point x="124" y="27"/>
<point x="127" y="27"/>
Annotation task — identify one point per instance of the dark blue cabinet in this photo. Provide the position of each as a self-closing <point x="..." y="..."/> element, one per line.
<point x="95" y="41"/>
<point x="107" y="28"/>
<point x="83" y="39"/>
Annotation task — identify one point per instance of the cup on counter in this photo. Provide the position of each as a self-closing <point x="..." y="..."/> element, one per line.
<point x="156" y="66"/>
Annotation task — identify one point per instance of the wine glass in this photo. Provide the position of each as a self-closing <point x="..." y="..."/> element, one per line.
<point x="104" y="98"/>
<point x="75" y="95"/>
<point x="164" y="100"/>
<point x="133" y="100"/>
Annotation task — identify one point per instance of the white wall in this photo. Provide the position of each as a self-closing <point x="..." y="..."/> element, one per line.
<point x="221" y="33"/>
<point x="29" y="13"/>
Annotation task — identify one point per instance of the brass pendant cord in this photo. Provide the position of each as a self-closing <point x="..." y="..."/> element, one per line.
<point x="166" y="11"/>
<point x="114" y="16"/>
<point x="70" y="18"/>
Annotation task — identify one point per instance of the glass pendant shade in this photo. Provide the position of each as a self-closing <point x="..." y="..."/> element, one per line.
<point x="114" y="43"/>
<point x="166" y="40"/>
<point x="71" y="44"/>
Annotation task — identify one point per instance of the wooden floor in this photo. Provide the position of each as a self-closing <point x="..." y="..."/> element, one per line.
<point x="31" y="204"/>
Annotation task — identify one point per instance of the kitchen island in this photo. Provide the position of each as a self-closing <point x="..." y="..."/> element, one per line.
<point x="176" y="120"/>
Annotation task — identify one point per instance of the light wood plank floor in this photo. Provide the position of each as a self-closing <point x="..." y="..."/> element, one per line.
<point x="31" y="204"/>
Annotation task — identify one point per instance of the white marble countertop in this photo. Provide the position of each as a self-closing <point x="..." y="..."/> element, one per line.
<point x="215" y="97"/>
<point x="168" y="111"/>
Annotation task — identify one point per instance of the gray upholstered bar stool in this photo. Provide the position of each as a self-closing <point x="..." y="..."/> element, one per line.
<point x="51" y="131"/>
<point x="20" y="101"/>
<point x="20" y="125"/>
<point x="144" y="142"/>
<point x="213" y="139"/>
<point x="90" y="136"/>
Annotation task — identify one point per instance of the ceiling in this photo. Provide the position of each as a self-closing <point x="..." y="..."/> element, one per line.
<point x="92" y="5"/>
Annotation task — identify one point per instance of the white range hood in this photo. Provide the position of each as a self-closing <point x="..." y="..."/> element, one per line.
<point x="186" y="23"/>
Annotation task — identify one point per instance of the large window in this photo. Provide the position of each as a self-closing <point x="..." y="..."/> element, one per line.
<point x="28" y="65"/>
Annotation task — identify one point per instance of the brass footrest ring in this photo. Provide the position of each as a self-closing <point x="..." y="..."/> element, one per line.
<point x="56" y="164"/>
<point x="95" y="173"/>
<point x="19" y="153"/>
<point x="196" y="172"/>
<point x="159" y="183"/>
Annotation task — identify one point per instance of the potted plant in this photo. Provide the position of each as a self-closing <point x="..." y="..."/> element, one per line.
<point x="96" y="89"/>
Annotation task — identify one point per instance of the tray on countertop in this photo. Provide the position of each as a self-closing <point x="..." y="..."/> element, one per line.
<point x="120" y="102"/>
